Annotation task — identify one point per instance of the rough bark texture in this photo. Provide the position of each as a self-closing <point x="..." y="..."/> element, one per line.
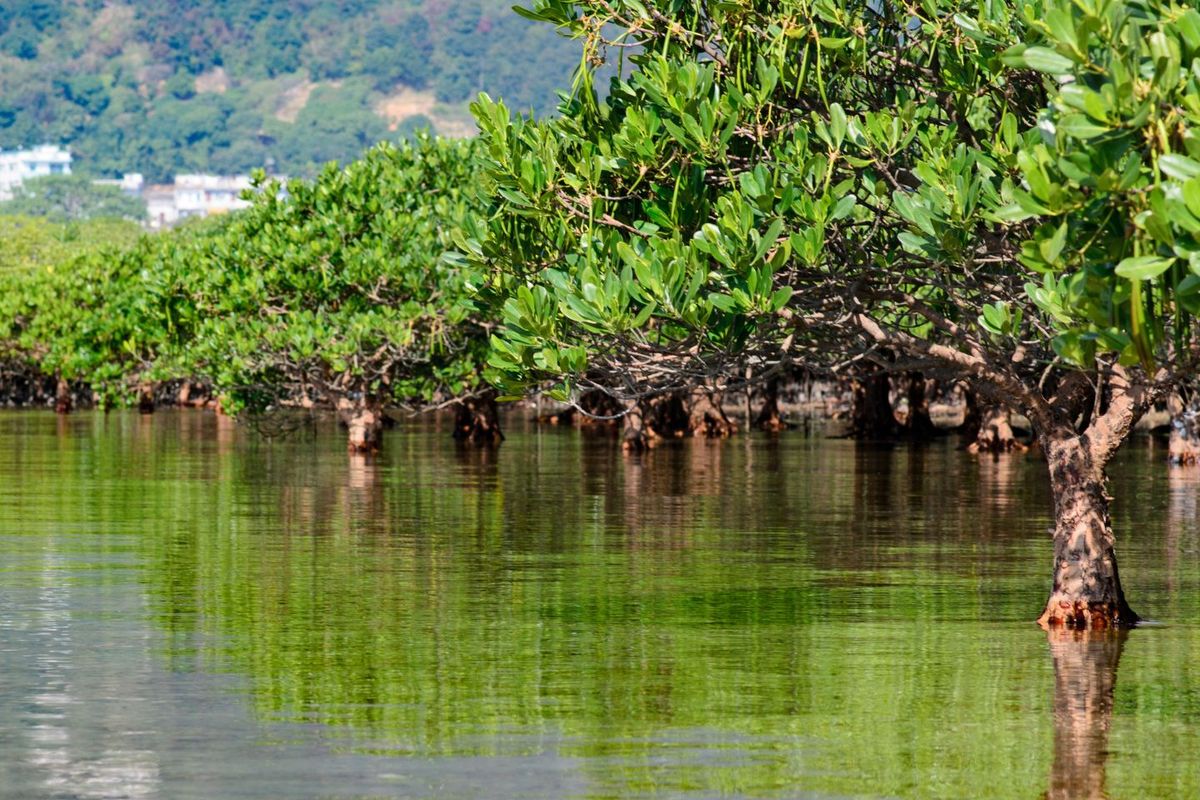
<point x="1085" y="675"/>
<point x="768" y="417"/>
<point x="364" y="424"/>
<point x="706" y="417"/>
<point x="995" y="434"/>
<point x="1087" y="586"/>
<point x="477" y="420"/>
<point x="917" y="422"/>
<point x="871" y="413"/>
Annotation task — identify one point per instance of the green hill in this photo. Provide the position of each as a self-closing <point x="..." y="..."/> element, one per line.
<point x="166" y="86"/>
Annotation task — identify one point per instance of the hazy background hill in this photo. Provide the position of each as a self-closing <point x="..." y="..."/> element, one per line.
<point x="166" y="86"/>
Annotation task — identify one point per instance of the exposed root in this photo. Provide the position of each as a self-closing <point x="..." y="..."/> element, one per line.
<point x="995" y="433"/>
<point x="364" y="424"/>
<point x="1081" y="615"/>
<point x="706" y="418"/>
<point x="477" y="420"/>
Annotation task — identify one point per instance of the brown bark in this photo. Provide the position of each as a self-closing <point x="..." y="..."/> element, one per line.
<point x="637" y="435"/>
<point x="1085" y="676"/>
<point x="1087" y="586"/>
<point x="477" y="420"/>
<point x="63" y="402"/>
<point x="363" y="419"/>
<point x="769" y="418"/>
<point x="995" y="434"/>
<point x="871" y="416"/>
<point x="706" y="418"/>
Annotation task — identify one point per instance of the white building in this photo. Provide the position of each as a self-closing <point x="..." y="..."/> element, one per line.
<point x="204" y="195"/>
<point x="194" y="196"/>
<point x="16" y="166"/>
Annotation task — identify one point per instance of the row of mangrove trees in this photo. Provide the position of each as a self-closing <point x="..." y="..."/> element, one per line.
<point x="994" y="192"/>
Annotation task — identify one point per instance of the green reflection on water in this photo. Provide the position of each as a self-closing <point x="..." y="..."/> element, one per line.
<point x="757" y="617"/>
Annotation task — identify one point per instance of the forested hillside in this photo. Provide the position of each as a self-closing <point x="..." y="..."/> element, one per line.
<point x="166" y="86"/>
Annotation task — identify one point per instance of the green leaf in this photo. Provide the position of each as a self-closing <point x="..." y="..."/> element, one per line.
<point x="1143" y="268"/>
<point x="1181" y="168"/>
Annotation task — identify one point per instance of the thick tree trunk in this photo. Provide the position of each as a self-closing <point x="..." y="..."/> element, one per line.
<point x="706" y="418"/>
<point x="1085" y="676"/>
<point x="363" y="419"/>
<point x="871" y="415"/>
<point x="917" y="423"/>
<point x="637" y="436"/>
<point x="769" y="418"/>
<point x="1087" y="586"/>
<point x="995" y="434"/>
<point x="477" y="420"/>
<point x="63" y="402"/>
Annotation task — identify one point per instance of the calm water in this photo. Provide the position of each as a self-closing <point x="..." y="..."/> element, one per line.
<point x="188" y="610"/>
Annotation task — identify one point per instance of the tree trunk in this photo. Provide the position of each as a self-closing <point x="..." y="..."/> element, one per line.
<point x="63" y="402"/>
<point x="769" y="418"/>
<point x="363" y="419"/>
<point x="972" y="420"/>
<point x="871" y="415"/>
<point x="1087" y="587"/>
<point x="995" y="434"/>
<point x="917" y="423"/>
<point x="145" y="393"/>
<point x="706" y="417"/>
<point x="477" y="420"/>
<point x="1183" y="448"/>
<point x="1085" y="676"/>
<point x="637" y="436"/>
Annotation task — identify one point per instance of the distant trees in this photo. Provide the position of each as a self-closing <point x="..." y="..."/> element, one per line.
<point x="121" y="112"/>
<point x="66" y="198"/>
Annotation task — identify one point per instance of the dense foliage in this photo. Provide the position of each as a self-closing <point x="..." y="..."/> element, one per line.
<point x="1005" y="193"/>
<point x="31" y="243"/>
<point x="184" y="86"/>
<point x="336" y="292"/>
<point x="341" y="290"/>
<point x="63" y="198"/>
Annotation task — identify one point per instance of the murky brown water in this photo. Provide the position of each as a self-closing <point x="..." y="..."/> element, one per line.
<point x="191" y="611"/>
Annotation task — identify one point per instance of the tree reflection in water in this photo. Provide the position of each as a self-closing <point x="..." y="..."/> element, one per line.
<point x="1085" y="674"/>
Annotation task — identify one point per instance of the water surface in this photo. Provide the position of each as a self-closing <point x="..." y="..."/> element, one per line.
<point x="192" y="611"/>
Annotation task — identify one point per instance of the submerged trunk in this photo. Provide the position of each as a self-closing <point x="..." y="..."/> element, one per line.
<point x="1085" y="676"/>
<point x="871" y="415"/>
<point x="917" y="423"/>
<point x="1087" y="587"/>
<point x="637" y="436"/>
<point x="1183" y="449"/>
<point x="477" y="420"/>
<point x="63" y="402"/>
<point x="995" y="434"/>
<point x="364" y="424"/>
<point x="972" y="419"/>
<point x="706" y="417"/>
<point x="145" y="393"/>
<point x="769" y="418"/>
